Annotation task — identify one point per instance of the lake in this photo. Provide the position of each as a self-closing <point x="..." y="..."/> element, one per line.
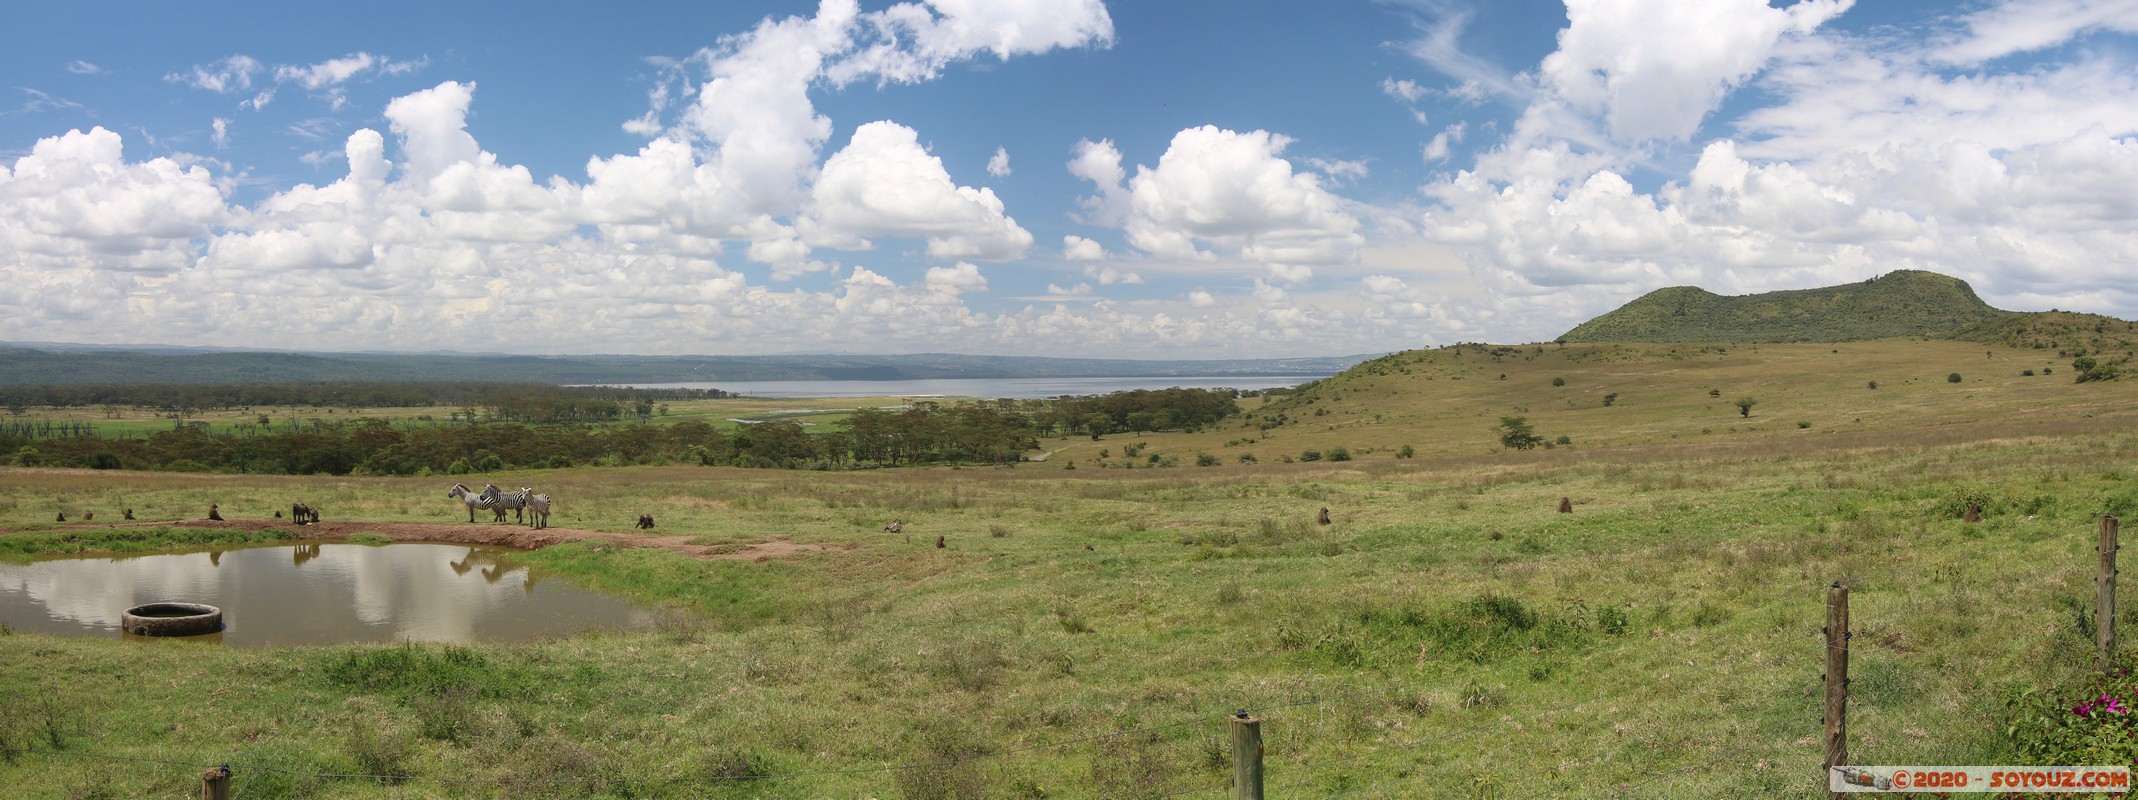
<point x="986" y="388"/>
<point x="315" y="593"/>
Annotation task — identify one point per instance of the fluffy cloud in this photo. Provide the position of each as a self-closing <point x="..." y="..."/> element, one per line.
<point x="1655" y="68"/>
<point x="883" y="184"/>
<point x="999" y="165"/>
<point x="75" y="204"/>
<point x="1231" y="191"/>
<point x="957" y="279"/>
<point x="1078" y="248"/>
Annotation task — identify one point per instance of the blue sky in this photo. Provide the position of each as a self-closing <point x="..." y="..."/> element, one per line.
<point x="1162" y="178"/>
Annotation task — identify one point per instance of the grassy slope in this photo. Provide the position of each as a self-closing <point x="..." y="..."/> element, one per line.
<point x="1207" y="589"/>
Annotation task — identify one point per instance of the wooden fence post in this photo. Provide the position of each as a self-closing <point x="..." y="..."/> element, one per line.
<point x="215" y="783"/>
<point x="1246" y="756"/>
<point x="2104" y="603"/>
<point x="1836" y="716"/>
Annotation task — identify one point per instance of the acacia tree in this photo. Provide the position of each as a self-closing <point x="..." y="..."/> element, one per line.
<point x="1744" y="406"/>
<point x="1516" y="433"/>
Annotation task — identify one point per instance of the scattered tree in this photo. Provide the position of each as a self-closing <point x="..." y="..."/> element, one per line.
<point x="1558" y="381"/>
<point x="1610" y="399"/>
<point x="1952" y="378"/>
<point x="1517" y="434"/>
<point x="1744" y="406"/>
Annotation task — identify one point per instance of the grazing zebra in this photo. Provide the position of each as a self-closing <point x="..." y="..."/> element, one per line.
<point x="517" y="501"/>
<point x="475" y="500"/>
<point x="537" y="509"/>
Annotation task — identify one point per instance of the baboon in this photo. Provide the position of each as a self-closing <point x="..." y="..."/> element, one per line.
<point x="129" y="513"/>
<point x="88" y="515"/>
<point x="1089" y="548"/>
<point x="1324" y="518"/>
<point x="645" y="522"/>
<point x="62" y="516"/>
<point x="1566" y="505"/>
<point x="893" y="528"/>
<point x="312" y="515"/>
<point x="1974" y="513"/>
<point x="214" y="513"/>
<point x="278" y="515"/>
<point x="299" y="513"/>
<point x="939" y="543"/>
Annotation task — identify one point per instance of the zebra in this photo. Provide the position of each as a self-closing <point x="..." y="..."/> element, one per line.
<point x="517" y="501"/>
<point x="537" y="508"/>
<point x="474" y="500"/>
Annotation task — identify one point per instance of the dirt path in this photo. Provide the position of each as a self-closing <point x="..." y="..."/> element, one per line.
<point x="508" y="535"/>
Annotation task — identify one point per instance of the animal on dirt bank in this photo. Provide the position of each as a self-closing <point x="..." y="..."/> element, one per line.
<point x="475" y="500"/>
<point x="62" y="516"/>
<point x="301" y="513"/>
<point x="537" y="509"/>
<point x="129" y="513"/>
<point x="645" y="522"/>
<point x="517" y="501"/>
<point x="88" y="515"/>
<point x="214" y="513"/>
<point x="1324" y="518"/>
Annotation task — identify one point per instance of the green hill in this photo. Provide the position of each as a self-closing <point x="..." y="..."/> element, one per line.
<point x="1898" y="304"/>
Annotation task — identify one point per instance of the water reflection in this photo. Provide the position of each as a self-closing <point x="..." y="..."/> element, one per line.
<point x="315" y="593"/>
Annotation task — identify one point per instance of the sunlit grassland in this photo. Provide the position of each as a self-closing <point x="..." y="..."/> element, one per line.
<point x="1464" y="638"/>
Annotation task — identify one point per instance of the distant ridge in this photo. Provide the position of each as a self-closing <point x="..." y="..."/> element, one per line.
<point x="1899" y="304"/>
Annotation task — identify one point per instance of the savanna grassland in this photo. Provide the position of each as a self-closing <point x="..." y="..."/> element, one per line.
<point x="1449" y="634"/>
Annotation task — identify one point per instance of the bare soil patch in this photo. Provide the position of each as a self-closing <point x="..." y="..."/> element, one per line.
<point x="490" y="533"/>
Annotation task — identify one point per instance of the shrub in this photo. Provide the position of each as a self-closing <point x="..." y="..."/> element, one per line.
<point x="1803" y="423"/>
<point x="490" y="463"/>
<point x="1247" y="458"/>
<point x="1310" y="455"/>
<point x="104" y="459"/>
<point x="1558" y="381"/>
<point x="2026" y="373"/>
<point x="1406" y="452"/>
<point x="1952" y="377"/>
<point x="1872" y="384"/>
<point x="1339" y="454"/>
<point x="458" y="467"/>
<point x="1610" y="399"/>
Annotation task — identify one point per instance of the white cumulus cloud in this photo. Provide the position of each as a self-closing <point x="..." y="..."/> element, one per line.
<point x="883" y="184"/>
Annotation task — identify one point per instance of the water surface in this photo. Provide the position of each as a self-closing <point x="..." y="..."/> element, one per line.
<point x="315" y="593"/>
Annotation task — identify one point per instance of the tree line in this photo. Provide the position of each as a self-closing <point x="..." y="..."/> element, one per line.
<point x="998" y="432"/>
<point x="527" y="402"/>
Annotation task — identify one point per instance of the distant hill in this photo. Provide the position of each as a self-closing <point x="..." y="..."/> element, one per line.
<point x="76" y="364"/>
<point x="1898" y="304"/>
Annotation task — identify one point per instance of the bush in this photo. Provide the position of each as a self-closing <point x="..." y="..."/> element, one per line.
<point x="1872" y="384"/>
<point x="1310" y="455"/>
<point x="1205" y="460"/>
<point x="1247" y="458"/>
<point x="1952" y="378"/>
<point x="2026" y="373"/>
<point x="104" y="459"/>
<point x="1339" y="454"/>
<point x="1803" y="423"/>
<point x="1558" y="381"/>
<point x="2090" y="723"/>
<point x="458" y="467"/>
<point x="1406" y="452"/>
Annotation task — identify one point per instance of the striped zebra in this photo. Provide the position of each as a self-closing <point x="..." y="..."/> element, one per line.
<point x="517" y="501"/>
<point x="486" y="500"/>
<point x="537" y="508"/>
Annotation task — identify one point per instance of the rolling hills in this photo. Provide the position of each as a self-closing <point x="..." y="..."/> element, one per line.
<point x="1905" y="303"/>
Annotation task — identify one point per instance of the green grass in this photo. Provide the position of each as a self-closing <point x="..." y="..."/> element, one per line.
<point x="1450" y="634"/>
